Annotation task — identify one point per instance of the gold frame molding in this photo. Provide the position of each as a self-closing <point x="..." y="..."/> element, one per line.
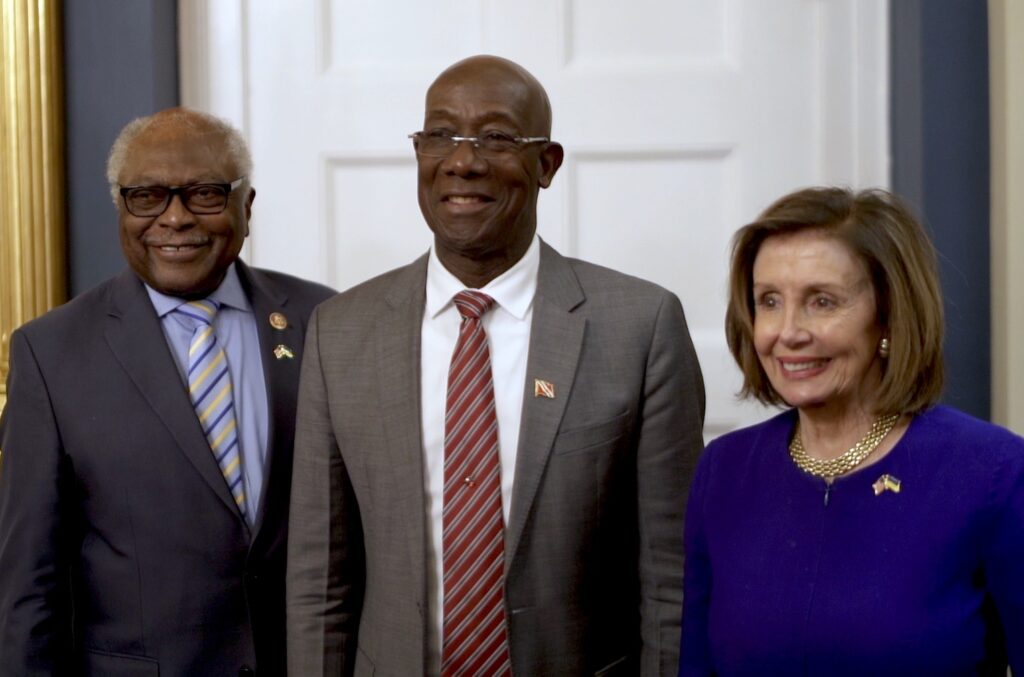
<point x="32" y="227"/>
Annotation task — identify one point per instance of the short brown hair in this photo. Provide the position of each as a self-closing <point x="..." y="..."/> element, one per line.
<point x="885" y="236"/>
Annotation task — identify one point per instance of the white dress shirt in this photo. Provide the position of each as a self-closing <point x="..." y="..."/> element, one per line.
<point x="508" y="336"/>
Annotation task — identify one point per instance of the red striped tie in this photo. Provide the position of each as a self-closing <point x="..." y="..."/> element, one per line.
<point x="475" y="633"/>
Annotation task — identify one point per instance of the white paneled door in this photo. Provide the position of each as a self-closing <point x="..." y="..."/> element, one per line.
<point x="680" y="120"/>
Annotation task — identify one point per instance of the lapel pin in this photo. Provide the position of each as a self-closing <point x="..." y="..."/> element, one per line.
<point x="282" y="351"/>
<point x="278" y="321"/>
<point x="542" y="388"/>
<point x="886" y="483"/>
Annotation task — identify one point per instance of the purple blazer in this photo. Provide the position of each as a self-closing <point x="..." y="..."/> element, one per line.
<point x="786" y="576"/>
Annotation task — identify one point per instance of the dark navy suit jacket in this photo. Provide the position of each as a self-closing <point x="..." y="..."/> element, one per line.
<point x="121" y="549"/>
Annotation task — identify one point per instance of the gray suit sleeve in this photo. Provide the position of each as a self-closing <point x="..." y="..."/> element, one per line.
<point x="326" y="570"/>
<point x="669" y="442"/>
<point x="35" y="595"/>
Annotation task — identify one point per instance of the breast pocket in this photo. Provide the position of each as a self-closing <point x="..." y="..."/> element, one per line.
<point x="591" y="436"/>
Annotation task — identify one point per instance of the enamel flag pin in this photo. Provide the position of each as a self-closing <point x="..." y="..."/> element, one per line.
<point x="282" y="351"/>
<point x="886" y="483"/>
<point x="542" y="388"/>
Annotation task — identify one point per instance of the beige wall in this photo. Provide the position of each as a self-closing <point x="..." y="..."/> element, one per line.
<point x="1006" y="50"/>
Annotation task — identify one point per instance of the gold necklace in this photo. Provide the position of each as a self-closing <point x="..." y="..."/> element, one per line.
<point x="850" y="458"/>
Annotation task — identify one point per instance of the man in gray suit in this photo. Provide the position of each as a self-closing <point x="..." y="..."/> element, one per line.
<point x="554" y="411"/>
<point x="147" y="456"/>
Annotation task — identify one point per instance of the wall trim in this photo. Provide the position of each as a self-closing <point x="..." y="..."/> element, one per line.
<point x="1006" y="64"/>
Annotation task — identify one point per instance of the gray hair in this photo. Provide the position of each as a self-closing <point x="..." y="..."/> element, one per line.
<point x="237" y="148"/>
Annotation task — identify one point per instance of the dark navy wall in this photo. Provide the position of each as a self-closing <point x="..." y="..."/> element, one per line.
<point x="940" y="142"/>
<point x="120" y="62"/>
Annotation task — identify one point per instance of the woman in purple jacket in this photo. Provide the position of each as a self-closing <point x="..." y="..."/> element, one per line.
<point x="866" y="530"/>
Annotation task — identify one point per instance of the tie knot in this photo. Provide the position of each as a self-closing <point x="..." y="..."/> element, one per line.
<point x="472" y="304"/>
<point x="198" y="312"/>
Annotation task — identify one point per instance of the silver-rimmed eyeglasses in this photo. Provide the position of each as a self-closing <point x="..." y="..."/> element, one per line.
<point x="489" y="145"/>
<point x="198" y="198"/>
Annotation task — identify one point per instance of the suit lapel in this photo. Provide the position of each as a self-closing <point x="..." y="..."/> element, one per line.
<point x="281" y="375"/>
<point x="556" y="339"/>
<point x="398" y="370"/>
<point x="134" y="335"/>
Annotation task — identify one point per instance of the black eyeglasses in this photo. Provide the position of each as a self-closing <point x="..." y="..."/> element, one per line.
<point x="489" y="145"/>
<point x="198" y="198"/>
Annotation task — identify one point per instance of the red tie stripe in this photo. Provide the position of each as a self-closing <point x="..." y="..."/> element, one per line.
<point x="475" y="629"/>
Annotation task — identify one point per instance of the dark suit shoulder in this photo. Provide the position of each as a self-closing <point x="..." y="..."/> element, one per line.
<point x="80" y="314"/>
<point x="593" y="275"/>
<point x="270" y="286"/>
<point x="297" y="287"/>
<point x="399" y="285"/>
<point x="608" y="288"/>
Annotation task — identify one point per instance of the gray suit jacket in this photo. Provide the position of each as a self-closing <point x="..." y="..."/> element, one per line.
<point x="121" y="549"/>
<point x="594" y="550"/>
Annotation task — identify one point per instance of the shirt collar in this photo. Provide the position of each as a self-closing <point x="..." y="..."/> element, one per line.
<point x="513" y="290"/>
<point x="229" y="293"/>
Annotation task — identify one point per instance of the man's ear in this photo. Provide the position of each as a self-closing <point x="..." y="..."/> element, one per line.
<point x="248" y="203"/>
<point x="550" y="160"/>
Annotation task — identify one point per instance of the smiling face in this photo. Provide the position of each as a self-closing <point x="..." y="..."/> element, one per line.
<point x="816" y="330"/>
<point x="483" y="213"/>
<point x="180" y="253"/>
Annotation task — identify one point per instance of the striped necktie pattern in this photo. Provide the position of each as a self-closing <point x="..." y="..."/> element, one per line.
<point x="209" y="387"/>
<point x="473" y="552"/>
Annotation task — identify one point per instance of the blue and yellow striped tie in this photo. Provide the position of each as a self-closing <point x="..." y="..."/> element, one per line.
<point x="209" y="386"/>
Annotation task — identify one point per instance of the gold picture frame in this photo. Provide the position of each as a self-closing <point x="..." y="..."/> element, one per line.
<point x="33" y="275"/>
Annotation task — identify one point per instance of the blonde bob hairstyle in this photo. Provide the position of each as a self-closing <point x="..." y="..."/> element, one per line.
<point x="880" y="230"/>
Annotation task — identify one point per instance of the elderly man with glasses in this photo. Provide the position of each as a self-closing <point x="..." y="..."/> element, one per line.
<point x="494" y="443"/>
<point x="147" y="438"/>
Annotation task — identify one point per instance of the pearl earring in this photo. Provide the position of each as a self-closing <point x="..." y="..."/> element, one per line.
<point x="883" y="348"/>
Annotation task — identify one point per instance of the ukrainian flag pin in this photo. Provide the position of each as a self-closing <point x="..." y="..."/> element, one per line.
<point x="886" y="483"/>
